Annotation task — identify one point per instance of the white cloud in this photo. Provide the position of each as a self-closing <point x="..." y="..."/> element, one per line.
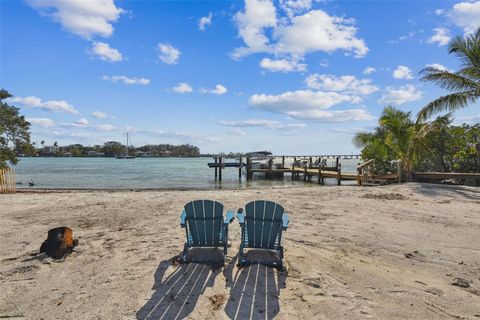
<point x="369" y="70"/>
<point x="324" y="63"/>
<point x="81" y="17"/>
<point x="235" y="132"/>
<point x="474" y="119"/>
<point x="204" y="21"/>
<point x="294" y="7"/>
<point x="407" y="36"/>
<point x="269" y="124"/>
<point x="82" y="122"/>
<point x="466" y="15"/>
<point x="401" y="95"/>
<point x="295" y="35"/>
<point x="258" y="15"/>
<point x="310" y="105"/>
<point x="441" y="36"/>
<point x="41" y="122"/>
<point x="218" y="90"/>
<point x="85" y="124"/>
<point x="282" y="65"/>
<point x="345" y="84"/>
<point x="101" y="115"/>
<point x="332" y="115"/>
<point x="105" y="127"/>
<point x="51" y="105"/>
<point x="105" y="52"/>
<point x="182" y="87"/>
<point x="402" y="72"/>
<point x="126" y="80"/>
<point x="318" y="31"/>
<point x="300" y="99"/>
<point x="168" y="54"/>
<point x="437" y="66"/>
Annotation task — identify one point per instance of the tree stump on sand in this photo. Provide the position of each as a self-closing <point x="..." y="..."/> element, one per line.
<point x="59" y="242"/>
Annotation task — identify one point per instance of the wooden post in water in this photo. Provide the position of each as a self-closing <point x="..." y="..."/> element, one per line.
<point x="320" y="176"/>
<point x="240" y="169"/>
<point x="293" y="168"/>
<point x="249" y="166"/>
<point x="283" y="162"/>
<point x="310" y="162"/>
<point x="339" y="173"/>
<point x="337" y="163"/>
<point x="220" y="168"/>
<point x="216" y="169"/>
<point x="305" y="173"/>
<point x="359" y="176"/>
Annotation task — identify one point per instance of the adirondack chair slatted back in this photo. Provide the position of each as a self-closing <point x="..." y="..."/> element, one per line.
<point x="263" y="220"/>
<point x="204" y="222"/>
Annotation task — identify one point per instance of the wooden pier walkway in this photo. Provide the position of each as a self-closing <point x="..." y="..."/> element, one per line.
<point x="306" y="169"/>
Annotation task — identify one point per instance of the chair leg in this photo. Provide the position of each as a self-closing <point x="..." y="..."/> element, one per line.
<point x="280" y="265"/>
<point x="184" y="255"/>
<point x="240" y="257"/>
<point x="225" y="246"/>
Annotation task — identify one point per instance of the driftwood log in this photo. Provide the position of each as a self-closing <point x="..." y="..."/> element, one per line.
<point x="59" y="242"/>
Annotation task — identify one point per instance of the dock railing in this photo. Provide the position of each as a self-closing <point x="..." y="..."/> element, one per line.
<point x="365" y="172"/>
<point x="7" y="180"/>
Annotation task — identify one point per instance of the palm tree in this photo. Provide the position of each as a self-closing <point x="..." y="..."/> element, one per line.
<point x="465" y="83"/>
<point x="396" y="138"/>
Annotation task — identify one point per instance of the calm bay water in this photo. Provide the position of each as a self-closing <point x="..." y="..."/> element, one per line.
<point x="141" y="173"/>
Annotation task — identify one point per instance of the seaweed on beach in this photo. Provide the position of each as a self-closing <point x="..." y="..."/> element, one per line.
<point x="385" y="196"/>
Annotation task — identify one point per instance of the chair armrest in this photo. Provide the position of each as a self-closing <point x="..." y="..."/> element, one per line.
<point x="241" y="218"/>
<point x="229" y="217"/>
<point x="285" y="221"/>
<point x="183" y="216"/>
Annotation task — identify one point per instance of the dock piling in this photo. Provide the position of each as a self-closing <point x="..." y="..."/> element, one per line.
<point x="339" y="173"/>
<point x="220" y="169"/>
<point x="240" y="169"/>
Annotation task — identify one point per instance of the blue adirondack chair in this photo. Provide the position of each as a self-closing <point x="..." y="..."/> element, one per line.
<point x="262" y="225"/>
<point x="204" y="225"/>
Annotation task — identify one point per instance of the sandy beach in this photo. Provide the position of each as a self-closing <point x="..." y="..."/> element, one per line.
<point x="409" y="251"/>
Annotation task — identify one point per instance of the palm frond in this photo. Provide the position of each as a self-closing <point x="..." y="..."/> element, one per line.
<point x="450" y="102"/>
<point x="448" y="80"/>
<point x="472" y="73"/>
<point x="467" y="49"/>
<point x="362" y="138"/>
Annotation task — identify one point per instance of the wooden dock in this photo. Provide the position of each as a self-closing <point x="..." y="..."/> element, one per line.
<point x="304" y="168"/>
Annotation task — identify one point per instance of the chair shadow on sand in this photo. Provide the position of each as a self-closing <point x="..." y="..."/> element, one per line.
<point x="175" y="296"/>
<point x="254" y="289"/>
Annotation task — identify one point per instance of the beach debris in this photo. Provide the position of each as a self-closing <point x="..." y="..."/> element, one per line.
<point x="31" y="184"/>
<point x="217" y="300"/>
<point x="414" y="255"/>
<point x="460" y="282"/>
<point x="385" y="196"/>
<point x="59" y="243"/>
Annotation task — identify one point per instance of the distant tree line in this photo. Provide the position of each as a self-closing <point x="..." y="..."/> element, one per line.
<point x="108" y="149"/>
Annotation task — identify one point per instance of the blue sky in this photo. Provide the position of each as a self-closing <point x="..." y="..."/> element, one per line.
<point x="287" y="76"/>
